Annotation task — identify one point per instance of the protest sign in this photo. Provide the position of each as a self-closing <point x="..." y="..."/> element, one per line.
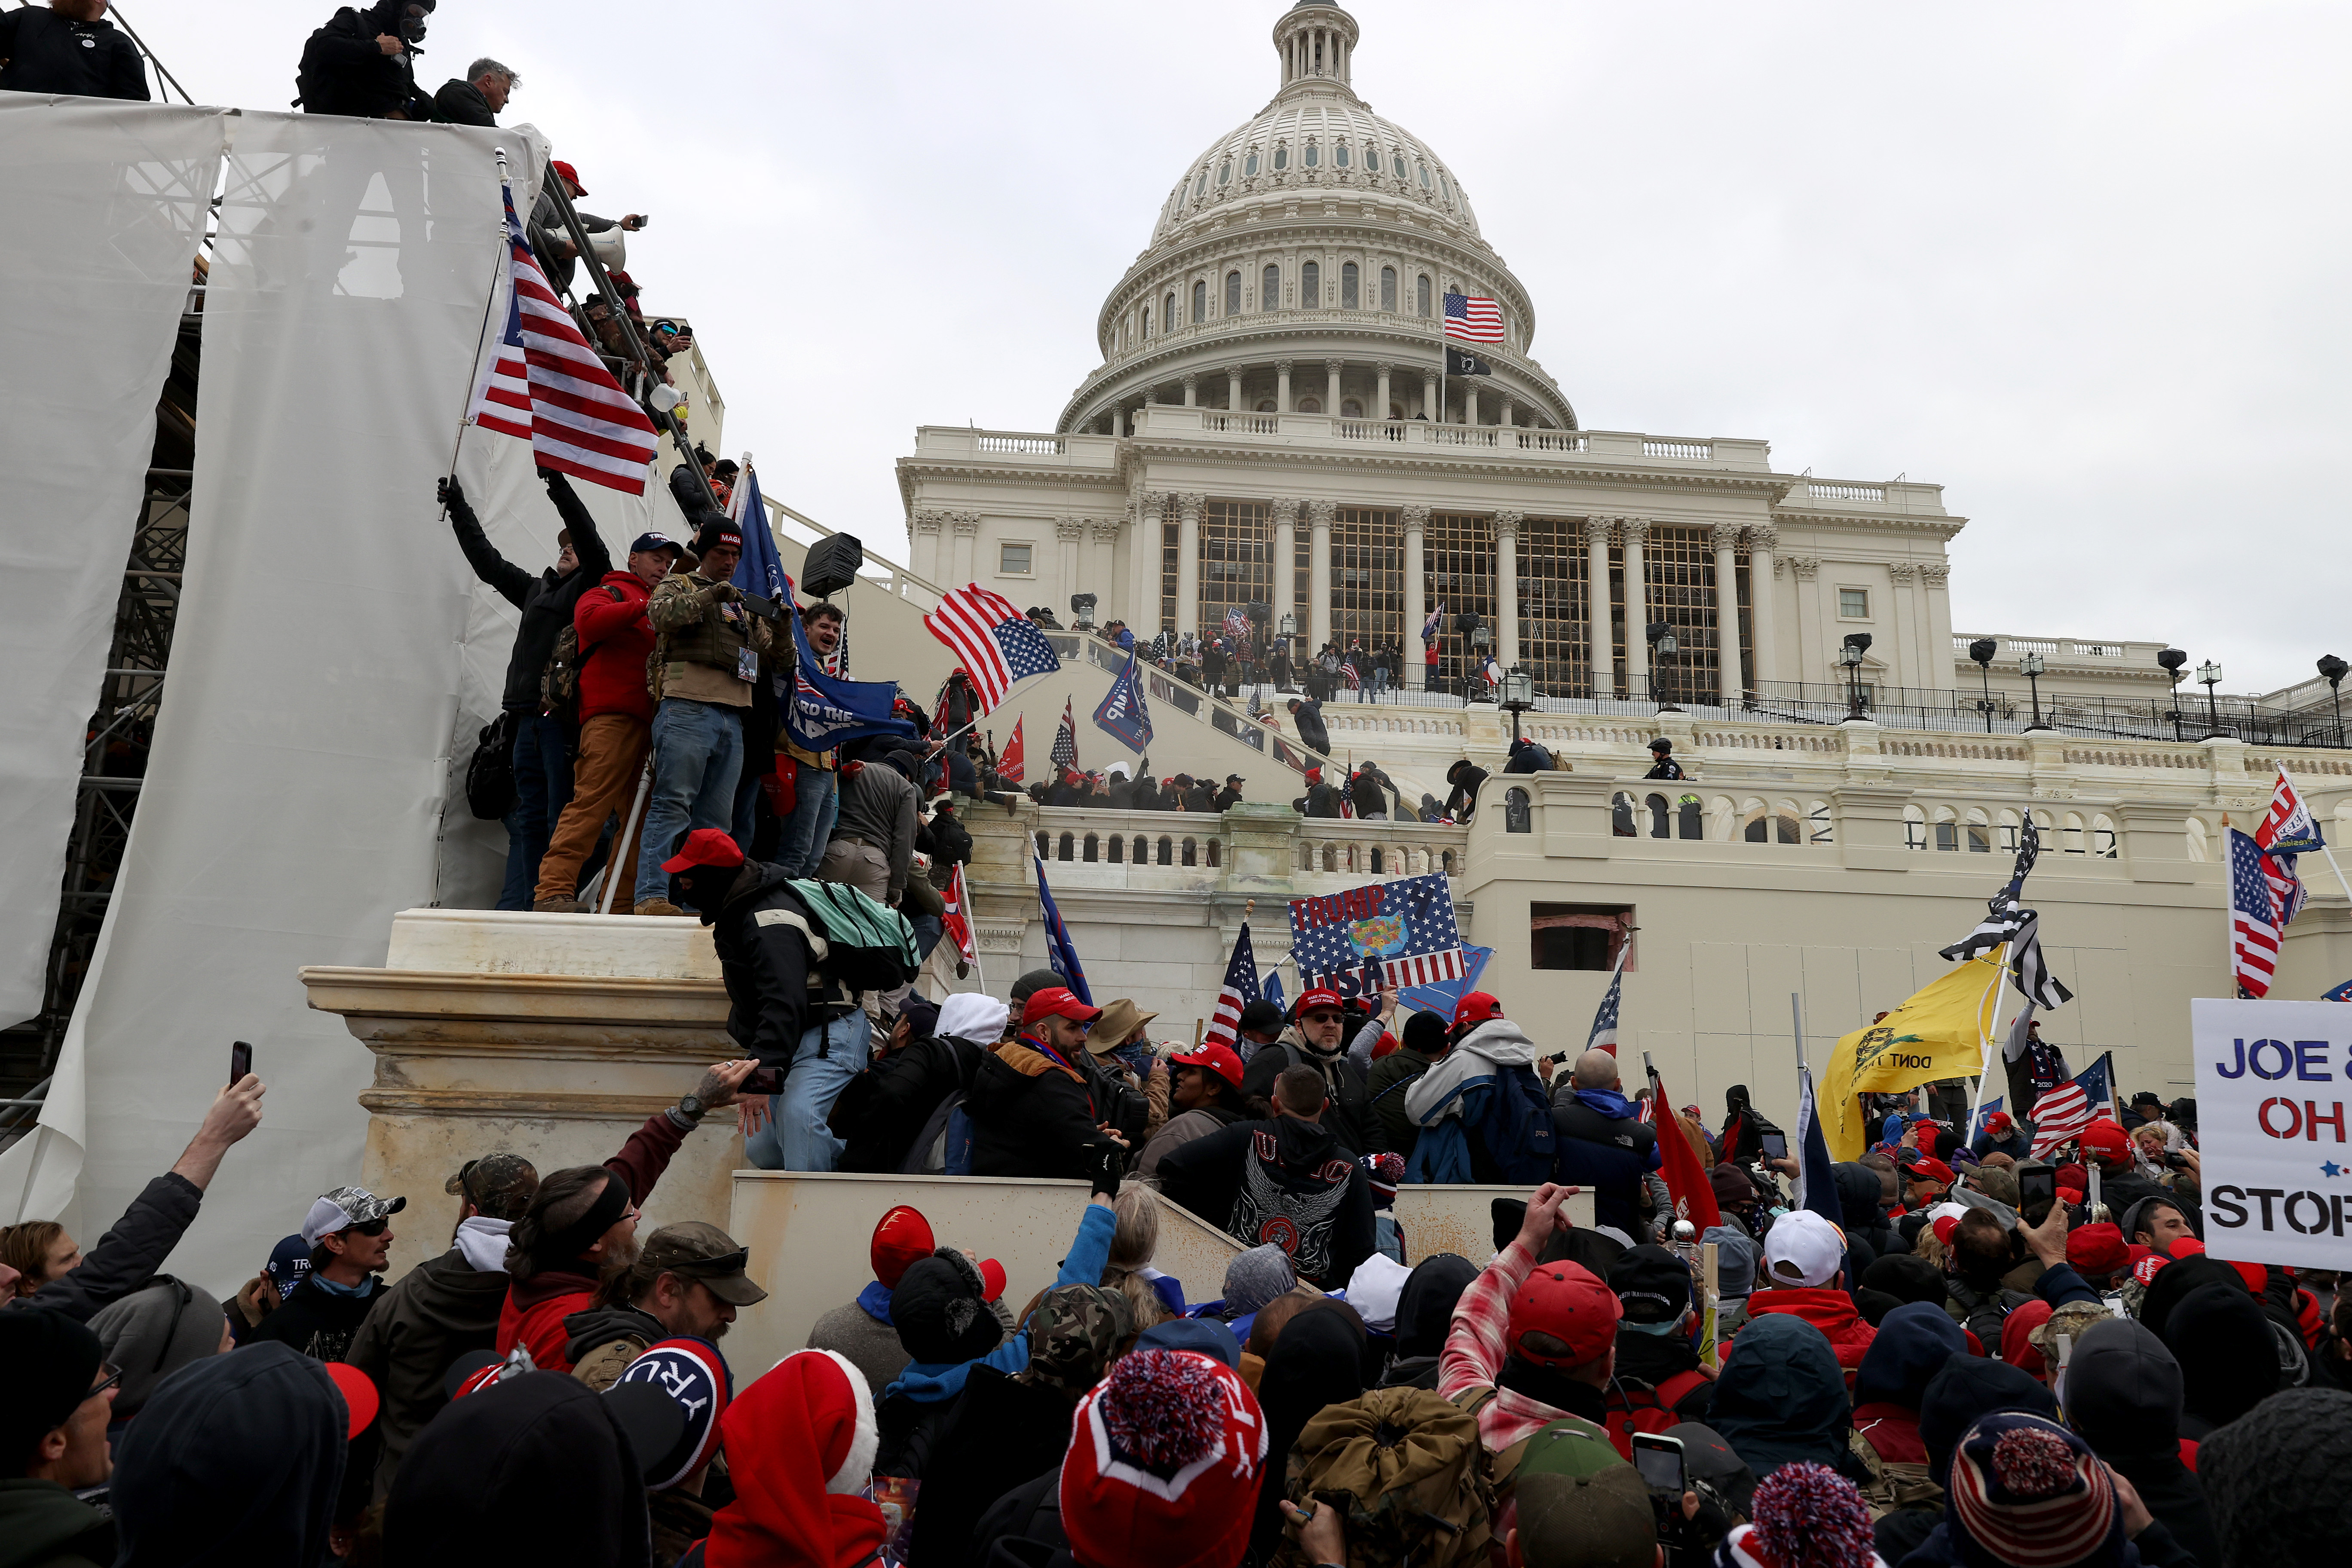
<point x="2274" y="1081"/>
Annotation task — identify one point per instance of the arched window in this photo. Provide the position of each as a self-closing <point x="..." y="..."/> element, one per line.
<point x="1200" y="302"/>
<point x="1424" y="169"/>
<point x="1400" y="166"/>
<point x="1115" y="845"/>
<point x="1350" y="409"/>
<point x="1689" y="817"/>
<point x="1266" y="405"/>
<point x="1091" y="848"/>
<point x="1310" y="405"/>
<point x="1339" y="154"/>
<point x="1191" y="852"/>
<point x="1388" y="287"/>
<point x="1518" y="810"/>
<point x="1442" y="188"/>
<point x="1201" y="185"/>
<point x="1310" y="286"/>
<point x="1232" y="293"/>
<point x="1348" y="295"/>
<point x="1168" y="313"/>
<point x="1314" y="153"/>
<point x="1281" y="158"/>
<point x="1421" y="293"/>
<point x="1064" y="846"/>
<point x="1269" y="291"/>
<point x="1249" y="164"/>
<point x="1226" y="172"/>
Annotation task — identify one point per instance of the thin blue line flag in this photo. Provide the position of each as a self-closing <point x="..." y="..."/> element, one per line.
<point x="1816" y="1180"/>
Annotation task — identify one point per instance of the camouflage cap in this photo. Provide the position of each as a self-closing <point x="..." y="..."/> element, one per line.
<point x="1073" y="1334"/>
<point x="2074" y="1320"/>
<point x="701" y="1252"/>
<point x="500" y="1185"/>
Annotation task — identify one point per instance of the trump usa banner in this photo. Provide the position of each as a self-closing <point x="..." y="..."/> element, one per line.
<point x="2274" y="1080"/>
<point x="1122" y="713"/>
<point x="1406" y="928"/>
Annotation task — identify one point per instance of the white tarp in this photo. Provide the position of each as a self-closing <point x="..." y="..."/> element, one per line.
<point x="2273" y="1092"/>
<point x="321" y="673"/>
<point x="105" y="209"/>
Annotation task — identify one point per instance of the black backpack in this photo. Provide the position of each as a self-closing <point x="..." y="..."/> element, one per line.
<point x="491" y="776"/>
<point x="559" y="682"/>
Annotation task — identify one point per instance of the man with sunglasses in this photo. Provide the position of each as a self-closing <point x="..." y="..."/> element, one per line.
<point x="53" y="1429"/>
<point x="1318" y="1037"/>
<point x="350" y="1234"/>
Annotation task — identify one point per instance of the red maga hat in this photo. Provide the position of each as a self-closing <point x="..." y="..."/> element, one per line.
<point x="1215" y="1057"/>
<point x="1058" y="1002"/>
<point x="1321" y="996"/>
<point x="1477" y="1007"/>
<point x="704" y="847"/>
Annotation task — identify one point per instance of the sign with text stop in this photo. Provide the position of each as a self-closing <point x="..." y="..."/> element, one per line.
<point x="2274" y="1093"/>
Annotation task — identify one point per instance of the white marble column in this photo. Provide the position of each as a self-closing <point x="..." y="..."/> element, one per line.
<point x="1187" y="563"/>
<point x="1282" y="386"/>
<point x="1331" y="382"/>
<point x="1416" y="519"/>
<point x="1381" y="398"/>
<point x="1812" y="631"/>
<point x="1935" y="579"/>
<point x="1068" y="532"/>
<point x="1192" y="392"/>
<point x="1604" y="653"/>
<point x="1469" y="401"/>
<point x="1099" y="574"/>
<point x="1319" y="517"/>
<point x="1763" y="571"/>
<point x="925" y="551"/>
<point x="1634" y="531"/>
<point x="1510" y="414"/>
<point x="1145" y="513"/>
<point x="1506" y="586"/>
<point x="967" y="541"/>
<point x="1234" y="388"/>
<point x="1726" y="540"/>
<point x="1904" y="655"/>
<point x="1284" y="601"/>
<point x="1428" y="399"/>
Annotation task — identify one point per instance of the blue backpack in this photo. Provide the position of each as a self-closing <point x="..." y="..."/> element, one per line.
<point x="1511" y="1120"/>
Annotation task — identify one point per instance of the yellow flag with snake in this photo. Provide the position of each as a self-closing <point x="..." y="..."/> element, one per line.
<point x="1939" y="1032"/>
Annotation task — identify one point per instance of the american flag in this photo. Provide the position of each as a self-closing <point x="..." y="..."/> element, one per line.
<point x="2254" y="919"/>
<point x="2287" y="830"/>
<point x="1239" y="991"/>
<point x="1347" y="675"/>
<point x="1406" y="926"/>
<point x="1604" y="1020"/>
<point x="546" y="385"/>
<point x="1429" y="627"/>
<point x="1237" y="622"/>
<point x="992" y="639"/>
<point x="1065" y="739"/>
<point x="1473" y="320"/>
<point x="958" y="918"/>
<point x="2060" y="1116"/>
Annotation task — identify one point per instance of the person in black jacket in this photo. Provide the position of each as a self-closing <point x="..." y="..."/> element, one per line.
<point x="885" y="1106"/>
<point x="1311" y="732"/>
<point x="1318" y="1037"/>
<point x="1291" y="1182"/>
<point x="1036" y="1108"/>
<point x="1662" y="760"/>
<point x="476" y="99"/>
<point x="541" y="744"/>
<point x="1320" y="800"/>
<point x="360" y="63"/>
<point x="71" y="48"/>
<point x="350" y="1234"/>
<point x="1465" y="776"/>
<point x="1231" y="795"/>
<point x="1603" y="1144"/>
<point x="1656" y="1366"/>
<point x="1369" y="790"/>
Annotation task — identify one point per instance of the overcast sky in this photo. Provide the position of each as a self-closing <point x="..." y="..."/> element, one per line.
<point x="2082" y="264"/>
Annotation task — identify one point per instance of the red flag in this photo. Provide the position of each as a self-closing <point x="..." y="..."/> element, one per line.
<point x="1010" y="762"/>
<point x="958" y="918"/>
<point x="1685" y="1177"/>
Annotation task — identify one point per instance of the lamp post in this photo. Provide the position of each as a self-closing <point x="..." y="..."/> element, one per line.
<point x="2332" y="669"/>
<point x="1849" y="654"/>
<point x="2172" y="658"/>
<point x="1481" y="640"/>
<point x="1518" y="696"/>
<point x="1082" y="610"/>
<point x="2031" y="667"/>
<point x="2208" y="676"/>
<point x="1981" y="650"/>
<point x="1662" y="645"/>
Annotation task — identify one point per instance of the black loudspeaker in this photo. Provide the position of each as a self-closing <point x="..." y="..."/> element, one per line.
<point x="1466" y="622"/>
<point x="832" y="564"/>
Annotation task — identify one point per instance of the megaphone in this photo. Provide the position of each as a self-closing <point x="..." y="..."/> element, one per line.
<point x="611" y="246"/>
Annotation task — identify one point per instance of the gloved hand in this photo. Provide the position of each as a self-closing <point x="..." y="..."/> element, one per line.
<point x="721" y="594"/>
<point x="448" y="490"/>
<point x="1108" y="1169"/>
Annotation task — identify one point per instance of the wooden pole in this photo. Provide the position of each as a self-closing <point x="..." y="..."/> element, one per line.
<point x="1711" y="1299"/>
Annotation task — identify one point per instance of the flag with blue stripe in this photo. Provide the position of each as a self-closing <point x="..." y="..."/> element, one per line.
<point x="1059" y="951"/>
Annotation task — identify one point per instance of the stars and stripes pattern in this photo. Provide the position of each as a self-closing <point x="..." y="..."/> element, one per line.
<point x="2041" y="988"/>
<point x="2287" y="829"/>
<point x="1064" y="753"/>
<point x="1238" y="992"/>
<point x="1424" y="945"/>
<point x="2254" y="919"/>
<point x="1473" y="318"/>
<point x="546" y="385"/>
<point x="1432" y="623"/>
<point x="1605" y="1017"/>
<point x="1236" y="622"/>
<point x="2060" y="1116"/>
<point x="992" y="639"/>
<point x="2003" y="917"/>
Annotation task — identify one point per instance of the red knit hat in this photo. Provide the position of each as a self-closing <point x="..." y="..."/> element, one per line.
<point x="2097" y="1250"/>
<point x="800" y="1446"/>
<point x="900" y="1237"/>
<point x="1569" y="1303"/>
<point x="1165" y="1461"/>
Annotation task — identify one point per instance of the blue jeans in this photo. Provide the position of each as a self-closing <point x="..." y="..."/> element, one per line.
<point x="809" y="828"/>
<point x="928" y="928"/>
<point x="543" y="770"/>
<point x="796" y="1138"/>
<point x="697" y="751"/>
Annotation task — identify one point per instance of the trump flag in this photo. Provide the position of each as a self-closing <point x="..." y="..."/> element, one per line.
<point x="1405" y="927"/>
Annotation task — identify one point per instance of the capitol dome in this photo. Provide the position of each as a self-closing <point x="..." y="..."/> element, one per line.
<point x="1299" y="264"/>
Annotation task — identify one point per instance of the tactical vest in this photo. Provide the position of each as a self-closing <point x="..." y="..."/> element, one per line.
<point x="714" y="641"/>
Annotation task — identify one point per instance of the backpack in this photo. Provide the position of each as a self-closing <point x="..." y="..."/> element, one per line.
<point x="559" y="681"/>
<point x="1985" y="1314"/>
<point x="864" y="945"/>
<point x="943" y="1148"/>
<point x="489" y="773"/>
<point x="1406" y="1472"/>
<point x="1894" y="1484"/>
<point x="1638" y="1406"/>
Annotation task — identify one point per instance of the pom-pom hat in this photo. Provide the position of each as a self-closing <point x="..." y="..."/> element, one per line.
<point x="2027" y="1493"/>
<point x="1166" y="1459"/>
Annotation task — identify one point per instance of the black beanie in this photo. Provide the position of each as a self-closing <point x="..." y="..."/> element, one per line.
<point x="1969" y="1388"/>
<point x="1425" y="1031"/>
<point x="2275" y="1480"/>
<point x="52" y="1361"/>
<point x="938" y="1310"/>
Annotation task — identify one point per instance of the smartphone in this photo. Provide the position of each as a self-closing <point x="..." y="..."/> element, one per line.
<point x="240" y="1061"/>
<point x="2037" y="1186"/>
<point x="2178" y="1162"/>
<point x="1660" y="1461"/>
<point x="1776" y="1145"/>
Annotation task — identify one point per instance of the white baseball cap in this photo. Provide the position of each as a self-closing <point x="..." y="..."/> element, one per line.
<point x="343" y="1207"/>
<point x="1802" y="1249"/>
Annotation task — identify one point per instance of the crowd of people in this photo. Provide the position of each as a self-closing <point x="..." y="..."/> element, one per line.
<point x="1949" y="1373"/>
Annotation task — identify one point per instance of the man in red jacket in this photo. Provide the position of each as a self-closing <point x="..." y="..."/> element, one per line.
<point x="1802" y="1255"/>
<point x="616" y="716"/>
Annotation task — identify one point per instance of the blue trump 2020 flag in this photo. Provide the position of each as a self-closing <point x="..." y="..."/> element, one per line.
<point x="1122" y="712"/>
<point x="1059" y="951"/>
<point x="824" y="711"/>
<point x="758" y="570"/>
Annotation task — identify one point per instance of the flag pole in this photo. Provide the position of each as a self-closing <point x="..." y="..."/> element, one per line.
<point x="1797" y="1018"/>
<point x="474" y="370"/>
<point x="2324" y="849"/>
<point x="621" y="844"/>
<point x="1984" y="1069"/>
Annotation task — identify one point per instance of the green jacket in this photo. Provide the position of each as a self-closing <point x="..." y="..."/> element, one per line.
<point x="1386" y="1085"/>
<point x="42" y="1525"/>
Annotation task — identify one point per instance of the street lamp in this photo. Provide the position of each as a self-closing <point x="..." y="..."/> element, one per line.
<point x="1518" y="695"/>
<point x="2208" y="676"/>
<point x="2031" y="667"/>
<point x="1849" y="654"/>
<point x="2172" y="658"/>
<point x="1082" y="610"/>
<point x="1662" y="645"/>
<point x="1981" y="650"/>
<point x="2332" y="669"/>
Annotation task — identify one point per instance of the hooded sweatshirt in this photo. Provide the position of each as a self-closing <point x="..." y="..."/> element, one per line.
<point x="2229" y="1360"/>
<point x="1284" y="1181"/>
<point x="798" y="1453"/>
<point x="1496" y="1058"/>
<point x="1783" y="1398"/>
<point x="1826" y="1308"/>
<point x="433" y="1314"/>
<point x="1424" y="1312"/>
<point x="236" y="1460"/>
<point x="1318" y="1360"/>
<point x="1911" y="1347"/>
<point x="2123" y="1398"/>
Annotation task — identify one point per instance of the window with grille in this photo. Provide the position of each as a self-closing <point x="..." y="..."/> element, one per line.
<point x="1269" y="291"/>
<point x="1200" y="302"/>
<point x="1348" y="289"/>
<point x="1388" y="289"/>
<point x="1680" y="565"/>
<point x="1461" y="576"/>
<point x="1310" y="286"/>
<point x="1421" y="293"/>
<point x="1232" y="293"/>
<point x="1853" y="604"/>
<point x="1556" y="606"/>
<point x="1236" y="559"/>
<point x="1366" y="577"/>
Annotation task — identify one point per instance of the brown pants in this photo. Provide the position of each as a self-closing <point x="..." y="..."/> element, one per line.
<point x="603" y="783"/>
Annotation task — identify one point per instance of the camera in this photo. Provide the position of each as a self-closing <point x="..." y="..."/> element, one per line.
<point x="2178" y="1162"/>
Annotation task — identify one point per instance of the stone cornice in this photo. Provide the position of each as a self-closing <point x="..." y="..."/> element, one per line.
<point x="1942" y="527"/>
<point x="1367" y="456"/>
